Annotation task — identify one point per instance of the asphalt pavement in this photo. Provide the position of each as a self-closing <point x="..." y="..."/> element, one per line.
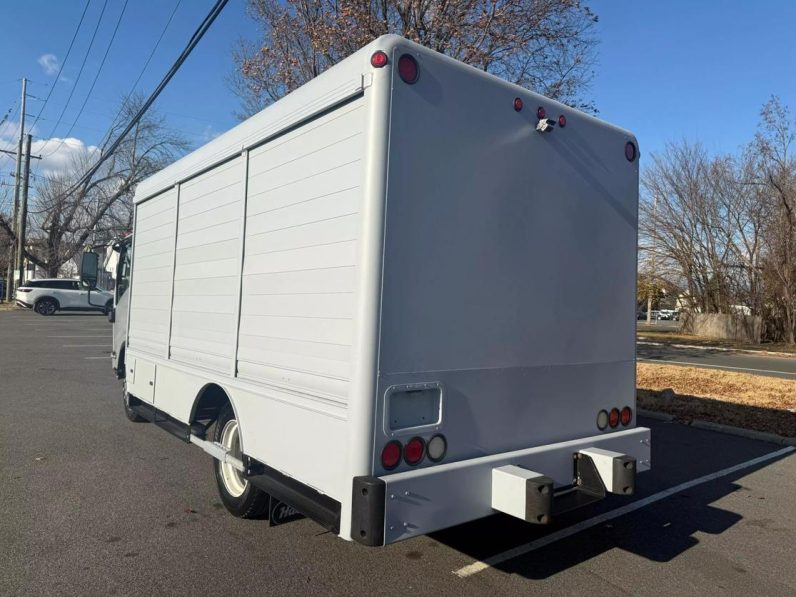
<point x="716" y="358"/>
<point x="95" y="505"/>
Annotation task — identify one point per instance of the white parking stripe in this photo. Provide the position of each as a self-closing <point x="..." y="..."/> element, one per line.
<point x="86" y="345"/>
<point x="107" y="356"/>
<point x="690" y="364"/>
<point x="521" y="550"/>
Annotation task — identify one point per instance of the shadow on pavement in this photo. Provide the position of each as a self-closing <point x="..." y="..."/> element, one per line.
<point x="658" y="532"/>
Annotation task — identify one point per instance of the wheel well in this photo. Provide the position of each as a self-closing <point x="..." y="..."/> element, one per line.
<point x="52" y="298"/>
<point x="208" y="404"/>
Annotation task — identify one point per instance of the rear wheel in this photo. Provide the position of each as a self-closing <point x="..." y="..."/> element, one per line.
<point x="46" y="306"/>
<point x="239" y="496"/>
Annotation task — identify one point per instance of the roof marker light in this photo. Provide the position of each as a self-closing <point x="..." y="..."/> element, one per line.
<point x="540" y="113"/>
<point x="630" y="151"/>
<point x="517" y="104"/>
<point x="378" y="59"/>
<point x="562" y="121"/>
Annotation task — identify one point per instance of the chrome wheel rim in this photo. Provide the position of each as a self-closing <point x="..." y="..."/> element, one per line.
<point x="233" y="480"/>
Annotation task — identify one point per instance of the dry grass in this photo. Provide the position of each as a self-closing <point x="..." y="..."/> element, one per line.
<point x="738" y="399"/>
<point x="6" y="306"/>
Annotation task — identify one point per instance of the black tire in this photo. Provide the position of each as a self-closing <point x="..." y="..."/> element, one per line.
<point x="251" y="502"/>
<point x="46" y="306"/>
<point x="131" y="414"/>
<point x="107" y="310"/>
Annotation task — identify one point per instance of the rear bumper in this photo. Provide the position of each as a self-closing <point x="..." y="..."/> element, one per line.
<point x="429" y="499"/>
<point x="24" y="304"/>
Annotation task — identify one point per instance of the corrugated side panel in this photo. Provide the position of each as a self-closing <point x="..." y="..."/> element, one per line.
<point x="153" y="262"/>
<point x="302" y="250"/>
<point x="207" y="267"/>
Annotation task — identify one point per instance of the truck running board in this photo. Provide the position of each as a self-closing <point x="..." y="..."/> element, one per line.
<point x="308" y="501"/>
<point x="168" y="423"/>
<point x="311" y="503"/>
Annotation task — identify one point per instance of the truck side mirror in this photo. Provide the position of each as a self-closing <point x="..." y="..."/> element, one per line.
<point x="89" y="267"/>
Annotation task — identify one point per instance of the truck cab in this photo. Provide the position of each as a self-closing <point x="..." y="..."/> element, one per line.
<point x="121" y="301"/>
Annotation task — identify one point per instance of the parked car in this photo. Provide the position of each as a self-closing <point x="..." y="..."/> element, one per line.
<point x="59" y="294"/>
<point x="668" y="315"/>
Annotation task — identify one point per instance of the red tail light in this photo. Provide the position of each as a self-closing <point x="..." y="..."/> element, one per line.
<point x="415" y="450"/>
<point x="391" y="455"/>
<point x="407" y="68"/>
<point x="378" y="59"/>
<point x="630" y="151"/>
<point x="613" y="417"/>
<point x="626" y="416"/>
<point x="24" y="289"/>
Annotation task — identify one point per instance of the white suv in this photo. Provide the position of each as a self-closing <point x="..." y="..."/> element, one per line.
<point x="58" y="294"/>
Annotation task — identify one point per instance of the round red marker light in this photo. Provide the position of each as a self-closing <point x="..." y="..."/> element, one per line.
<point x="562" y="121"/>
<point x="626" y="416"/>
<point x="613" y="417"/>
<point x="540" y="113"/>
<point x="391" y="455"/>
<point x="407" y="68"/>
<point x="414" y="451"/>
<point x="379" y="59"/>
<point x="630" y="151"/>
<point x="517" y="104"/>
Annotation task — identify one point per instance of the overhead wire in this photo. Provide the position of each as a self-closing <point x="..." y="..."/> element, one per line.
<point x="79" y="74"/>
<point x="195" y="38"/>
<point x="141" y="73"/>
<point x="94" y="82"/>
<point x="63" y="63"/>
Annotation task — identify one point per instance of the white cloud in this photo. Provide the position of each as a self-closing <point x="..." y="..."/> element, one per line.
<point x="49" y="64"/>
<point x="58" y="155"/>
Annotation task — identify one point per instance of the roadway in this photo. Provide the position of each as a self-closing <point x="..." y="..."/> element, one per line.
<point x="93" y="504"/>
<point x="716" y="358"/>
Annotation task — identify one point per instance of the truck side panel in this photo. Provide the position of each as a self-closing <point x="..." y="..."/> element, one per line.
<point x="154" y="268"/>
<point x="302" y="251"/>
<point x="207" y="267"/>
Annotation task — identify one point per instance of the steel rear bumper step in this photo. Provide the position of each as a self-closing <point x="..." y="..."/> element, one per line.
<point x="532" y="497"/>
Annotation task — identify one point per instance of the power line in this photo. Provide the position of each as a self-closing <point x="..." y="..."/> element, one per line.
<point x="195" y="38"/>
<point x="96" y="77"/>
<point x="63" y="63"/>
<point x="79" y="74"/>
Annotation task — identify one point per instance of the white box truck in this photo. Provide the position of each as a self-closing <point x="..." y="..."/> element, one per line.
<point x="366" y="302"/>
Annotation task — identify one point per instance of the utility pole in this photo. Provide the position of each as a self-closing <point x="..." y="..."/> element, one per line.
<point x="23" y="213"/>
<point x="11" y="262"/>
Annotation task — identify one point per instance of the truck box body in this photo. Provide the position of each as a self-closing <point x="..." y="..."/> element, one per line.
<point x="369" y="260"/>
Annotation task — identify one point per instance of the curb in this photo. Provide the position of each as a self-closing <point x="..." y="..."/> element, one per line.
<point x="763" y="436"/>
<point x="653" y="414"/>
<point x="646" y="341"/>
<point x="747" y="433"/>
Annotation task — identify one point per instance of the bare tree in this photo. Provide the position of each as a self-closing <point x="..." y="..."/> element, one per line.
<point x="545" y="45"/>
<point x="776" y="173"/>
<point x="64" y="218"/>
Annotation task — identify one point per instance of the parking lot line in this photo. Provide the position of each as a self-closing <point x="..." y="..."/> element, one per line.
<point x="107" y="356"/>
<point x="86" y="345"/>
<point x="93" y="336"/>
<point x="521" y="550"/>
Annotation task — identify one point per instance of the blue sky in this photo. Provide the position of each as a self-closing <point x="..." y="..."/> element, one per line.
<point x="667" y="70"/>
